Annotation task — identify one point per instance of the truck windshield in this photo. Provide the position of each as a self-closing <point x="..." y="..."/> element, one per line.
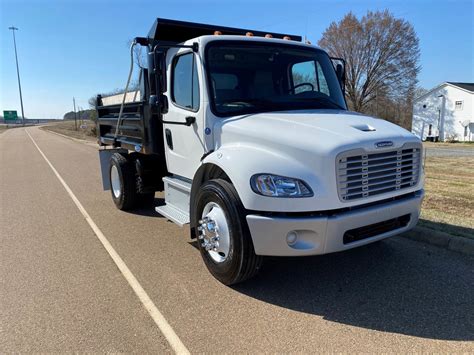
<point x="249" y="77"/>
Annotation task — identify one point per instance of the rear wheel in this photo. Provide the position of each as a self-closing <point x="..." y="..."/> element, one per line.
<point x="223" y="236"/>
<point x="144" y="199"/>
<point x="123" y="182"/>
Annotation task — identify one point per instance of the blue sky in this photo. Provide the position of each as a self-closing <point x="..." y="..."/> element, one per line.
<point x="72" y="48"/>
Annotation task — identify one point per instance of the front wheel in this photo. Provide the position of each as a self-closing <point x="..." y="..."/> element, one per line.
<point x="223" y="235"/>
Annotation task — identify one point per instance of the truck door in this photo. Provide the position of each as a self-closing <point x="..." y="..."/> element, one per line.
<point x="183" y="144"/>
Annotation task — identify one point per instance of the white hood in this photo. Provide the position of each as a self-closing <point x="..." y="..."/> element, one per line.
<point x="319" y="131"/>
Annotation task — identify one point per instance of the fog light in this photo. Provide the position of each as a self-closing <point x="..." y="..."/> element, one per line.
<point x="291" y="237"/>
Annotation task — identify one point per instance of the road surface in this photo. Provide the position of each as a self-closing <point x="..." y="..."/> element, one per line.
<point x="61" y="290"/>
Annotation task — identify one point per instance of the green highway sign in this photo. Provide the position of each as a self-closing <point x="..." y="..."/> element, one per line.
<point x="10" y="115"/>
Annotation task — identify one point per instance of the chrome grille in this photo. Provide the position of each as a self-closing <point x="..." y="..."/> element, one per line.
<point x="361" y="175"/>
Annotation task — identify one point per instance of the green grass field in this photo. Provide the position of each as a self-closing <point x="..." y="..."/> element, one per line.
<point x="449" y="199"/>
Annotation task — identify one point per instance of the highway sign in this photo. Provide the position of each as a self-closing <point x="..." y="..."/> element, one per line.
<point x="10" y="115"/>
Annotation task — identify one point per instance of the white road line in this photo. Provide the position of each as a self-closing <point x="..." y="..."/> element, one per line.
<point x="170" y="335"/>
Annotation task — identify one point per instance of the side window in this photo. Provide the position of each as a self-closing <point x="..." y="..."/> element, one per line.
<point x="304" y="72"/>
<point x="185" y="85"/>
<point x="309" y="72"/>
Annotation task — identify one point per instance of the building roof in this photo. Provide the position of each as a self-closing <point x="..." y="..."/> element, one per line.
<point x="469" y="87"/>
<point x="465" y="86"/>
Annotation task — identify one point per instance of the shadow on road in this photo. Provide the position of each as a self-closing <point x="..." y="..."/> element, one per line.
<point x="149" y="211"/>
<point x="397" y="286"/>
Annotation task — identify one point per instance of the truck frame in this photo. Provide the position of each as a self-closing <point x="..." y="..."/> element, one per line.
<point x="249" y="136"/>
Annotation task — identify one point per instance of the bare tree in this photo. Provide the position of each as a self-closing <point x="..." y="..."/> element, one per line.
<point x="382" y="55"/>
<point x="420" y="91"/>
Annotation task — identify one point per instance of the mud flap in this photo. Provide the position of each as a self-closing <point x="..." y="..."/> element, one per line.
<point x="104" y="159"/>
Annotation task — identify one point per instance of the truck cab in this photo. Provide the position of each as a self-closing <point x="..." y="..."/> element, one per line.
<point x="249" y="137"/>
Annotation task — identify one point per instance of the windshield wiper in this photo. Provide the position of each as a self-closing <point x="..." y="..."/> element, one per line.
<point x="323" y="99"/>
<point x="248" y="101"/>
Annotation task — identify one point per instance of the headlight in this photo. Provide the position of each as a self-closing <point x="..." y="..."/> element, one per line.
<point x="279" y="186"/>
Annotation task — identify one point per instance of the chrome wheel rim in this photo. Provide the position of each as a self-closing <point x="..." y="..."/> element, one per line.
<point x="214" y="232"/>
<point x="115" y="181"/>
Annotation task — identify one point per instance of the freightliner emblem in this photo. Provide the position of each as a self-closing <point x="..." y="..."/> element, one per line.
<point x="384" y="144"/>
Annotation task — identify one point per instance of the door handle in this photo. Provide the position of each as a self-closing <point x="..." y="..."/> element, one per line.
<point x="169" y="138"/>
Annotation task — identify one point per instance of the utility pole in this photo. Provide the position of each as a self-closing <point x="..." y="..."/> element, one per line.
<point x="13" y="29"/>
<point x="75" y="113"/>
<point x="442" y="113"/>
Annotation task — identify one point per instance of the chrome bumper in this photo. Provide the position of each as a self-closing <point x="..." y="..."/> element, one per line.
<point x="323" y="235"/>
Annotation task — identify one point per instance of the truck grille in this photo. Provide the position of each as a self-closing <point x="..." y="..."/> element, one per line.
<point x="361" y="175"/>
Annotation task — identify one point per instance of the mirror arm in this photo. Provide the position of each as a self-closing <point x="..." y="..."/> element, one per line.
<point x="189" y="121"/>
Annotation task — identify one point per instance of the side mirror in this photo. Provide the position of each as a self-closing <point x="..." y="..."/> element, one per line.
<point x="339" y="72"/>
<point x="160" y="69"/>
<point x="156" y="72"/>
<point x="151" y="74"/>
<point x="340" y="67"/>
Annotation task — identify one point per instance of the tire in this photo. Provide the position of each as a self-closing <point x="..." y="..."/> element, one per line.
<point x="234" y="260"/>
<point x="123" y="182"/>
<point x="144" y="199"/>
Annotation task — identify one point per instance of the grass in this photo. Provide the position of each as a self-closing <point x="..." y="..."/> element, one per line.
<point x="5" y="127"/>
<point x="448" y="144"/>
<point x="449" y="199"/>
<point x="85" y="129"/>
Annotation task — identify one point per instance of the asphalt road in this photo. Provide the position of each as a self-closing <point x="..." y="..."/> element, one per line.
<point x="61" y="291"/>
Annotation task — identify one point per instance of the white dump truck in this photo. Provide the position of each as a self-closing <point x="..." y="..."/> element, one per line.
<point x="248" y="135"/>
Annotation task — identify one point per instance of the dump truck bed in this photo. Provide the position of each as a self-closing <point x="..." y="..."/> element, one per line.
<point x="136" y="132"/>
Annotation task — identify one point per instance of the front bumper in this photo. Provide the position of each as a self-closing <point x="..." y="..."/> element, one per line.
<point x="325" y="234"/>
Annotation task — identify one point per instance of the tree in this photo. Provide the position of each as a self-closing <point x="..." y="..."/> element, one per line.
<point x="420" y="91"/>
<point x="382" y="55"/>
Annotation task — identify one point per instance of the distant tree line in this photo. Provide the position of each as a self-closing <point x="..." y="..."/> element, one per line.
<point x="89" y="114"/>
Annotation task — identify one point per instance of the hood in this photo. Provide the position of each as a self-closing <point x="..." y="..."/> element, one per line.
<point x="326" y="131"/>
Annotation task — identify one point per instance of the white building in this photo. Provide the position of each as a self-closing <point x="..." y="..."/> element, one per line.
<point x="445" y="113"/>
